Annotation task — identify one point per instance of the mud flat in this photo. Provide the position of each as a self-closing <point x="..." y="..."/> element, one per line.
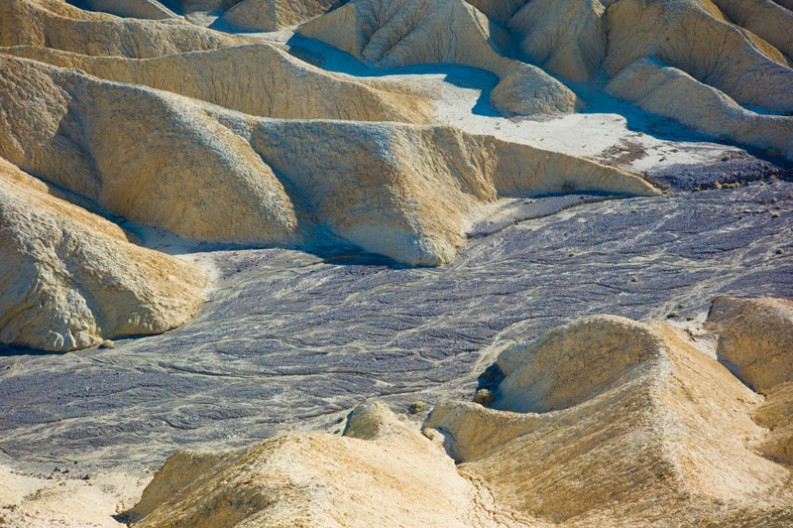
<point x="291" y="339"/>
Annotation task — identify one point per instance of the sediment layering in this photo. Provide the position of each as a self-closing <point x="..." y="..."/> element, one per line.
<point x="605" y="421"/>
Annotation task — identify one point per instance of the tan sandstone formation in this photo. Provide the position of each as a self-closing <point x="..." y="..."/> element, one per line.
<point x="602" y="422"/>
<point x="273" y="15"/>
<point x="56" y="24"/>
<point x="146" y="9"/>
<point x="756" y="343"/>
<point x="700" y="62"/>
<point x="399" y="190"/>
<point x="697" y="38"/>
<point x="408" y="32"/>
<point x="667" y="91"/>
<point x="380" y="473"/>
<point x="261" y="80"/>
<point x="70" y="279"/>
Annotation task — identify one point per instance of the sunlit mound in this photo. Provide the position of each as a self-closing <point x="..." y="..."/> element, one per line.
<point x="603" y="422"/>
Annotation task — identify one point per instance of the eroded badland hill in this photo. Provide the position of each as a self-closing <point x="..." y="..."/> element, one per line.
<point x="275" y="248"/>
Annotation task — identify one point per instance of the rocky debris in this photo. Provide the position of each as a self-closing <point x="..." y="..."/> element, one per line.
<point x="291" y="339"/>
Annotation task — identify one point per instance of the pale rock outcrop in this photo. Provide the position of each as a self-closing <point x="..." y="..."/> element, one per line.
<point x="146" y="9"/>
<point x="414" y="185"/>
<point x="567" y="39"/>
<point x="765" y="18"/>
<point x="609" y="422"/>
<point x="155" y="158"/>
<point x="755" y="339"/>
<point x="56" y="24"/>
<point x="695" y="37"/>
<point x="602" y="422"/>
<point x="399" y="190"/>
<point x="380" y="473"/>
<point x="261" y="80"/>
<point x="273" y="15"/>
<point x="670" y="92"/>
<point x="71" y="279"/>
<point x="410" y="32"/>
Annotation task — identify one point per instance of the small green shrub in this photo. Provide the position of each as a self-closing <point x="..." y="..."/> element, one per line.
<point x="484" y="397"/>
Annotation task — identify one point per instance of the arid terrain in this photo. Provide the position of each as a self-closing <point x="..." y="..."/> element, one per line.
<point x="396" y="263"/>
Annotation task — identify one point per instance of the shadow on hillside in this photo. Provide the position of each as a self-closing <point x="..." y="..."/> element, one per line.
<point x="334" y="60"/>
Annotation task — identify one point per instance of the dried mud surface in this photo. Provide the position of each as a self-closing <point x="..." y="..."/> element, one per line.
<point x="294" y="340"/>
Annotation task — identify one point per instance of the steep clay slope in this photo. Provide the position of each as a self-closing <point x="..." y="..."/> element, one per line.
<point x="603" y="422"/>
<point x="273" y="15"/>
<point x="410" y="190"/>
<point x="261" y="80"/>
<point x="647" y="431"/>
<point x="718" y="55"/>
<point x="56" y="24"/>
<point x="409" y="32"/>
<point x="147" y="9"/>
<point x="70" y="279"/>
<point x="667" y="91"/>
<point x="756" y="343"/>
<point x="380" y="473"/>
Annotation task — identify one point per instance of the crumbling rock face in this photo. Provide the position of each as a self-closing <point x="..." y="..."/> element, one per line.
<point x="70" y="279"/>
<point x="603" y="422"/>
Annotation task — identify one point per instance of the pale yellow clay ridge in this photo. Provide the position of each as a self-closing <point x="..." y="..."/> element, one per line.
<point x="70" y="279"/>
<point x="261" y="79"/>
<point x="602" y="422"/>
<point x="408" y="32"/>
<point x="207" y="173"/>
